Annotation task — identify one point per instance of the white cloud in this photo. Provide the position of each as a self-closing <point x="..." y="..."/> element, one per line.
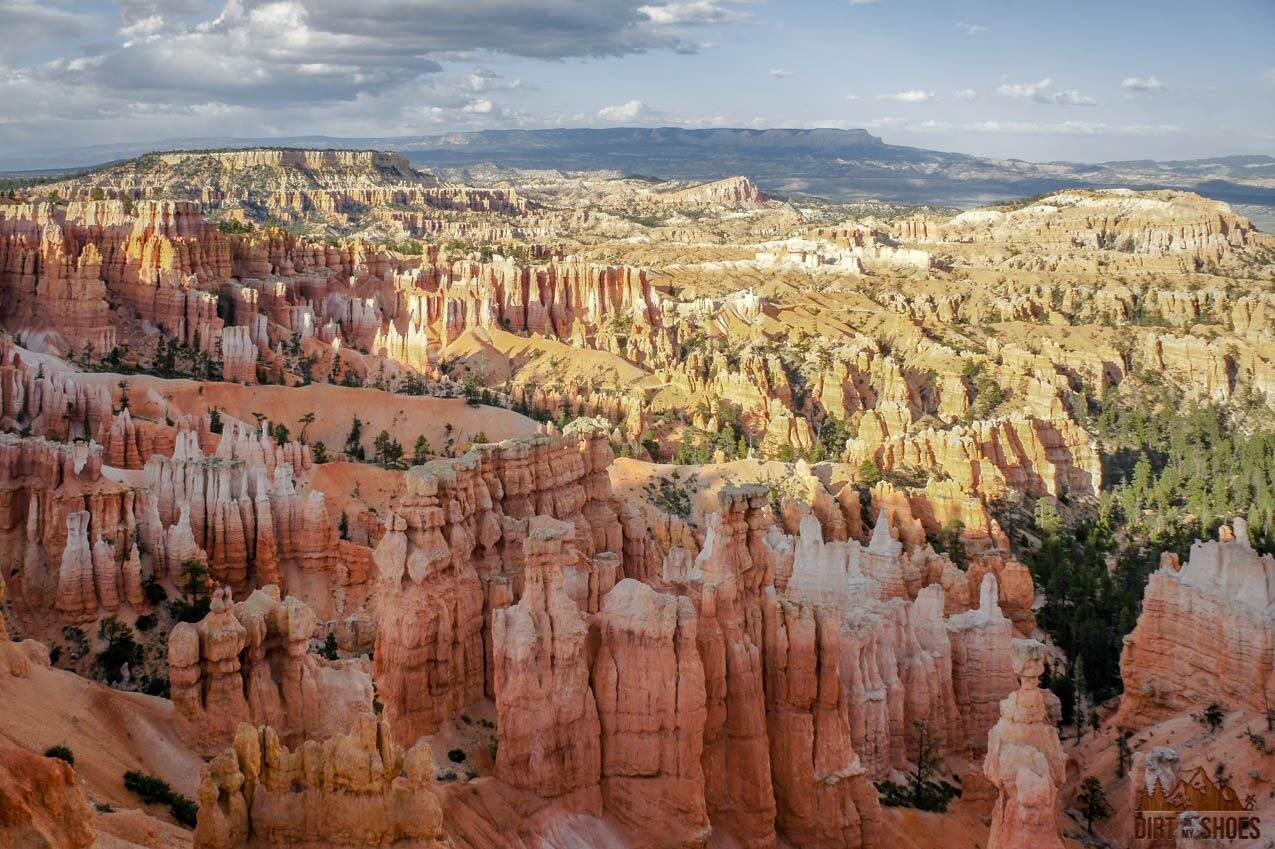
<point x="690" y="12"/>
<point x="970" y="29"/>
<point x="780" y="73"/>
<point x="1039" y="91"/>
<point x="1142" y="84"/>
<point x="478" y="107"/>
<point x="852" y="97"/>
<point x="634" y="110"/>
<point x="915" y="95"/>
<point x="966" y="94"/>
<point x="1024" y="89"/>
<point x="486" y="80"/>
<point x="1071" y="97"/>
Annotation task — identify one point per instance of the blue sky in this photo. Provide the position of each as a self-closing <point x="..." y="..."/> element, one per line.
<point x="1035" y="80"/>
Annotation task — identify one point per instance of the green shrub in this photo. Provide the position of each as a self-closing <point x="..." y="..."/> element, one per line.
<point x="60" y="752"/>
<point x="156" y="791"/>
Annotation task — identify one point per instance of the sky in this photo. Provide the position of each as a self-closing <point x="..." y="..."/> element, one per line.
<point x="1032" y="79"/>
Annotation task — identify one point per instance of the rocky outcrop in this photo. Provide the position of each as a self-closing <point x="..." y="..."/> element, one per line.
<point x="546" y="712"/>
<point x="239" y="511"/>
<point x="41" y="806"/>
<point x="453" y="554"/>
<point x="1162" y="223"/>
<point x="824" y="797"/>
<point x="990" y="458"/>
<point x="732" y="193"/>
<point x="730" y="577"/>
<point x="1205" y="633"/>
<point x="238" y="355"/>
<point x="16" y="658"/>
<point x="648" y="681"/>
<point x="250" y="662"/>
<point x="981" y="641"/>
<point x="356" y="789"/>
<point x="1025" y="761"/>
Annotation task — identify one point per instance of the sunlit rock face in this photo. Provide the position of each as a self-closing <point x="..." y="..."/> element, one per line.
<point x="1205" y="633"/>
<point x="1025" y="761"/>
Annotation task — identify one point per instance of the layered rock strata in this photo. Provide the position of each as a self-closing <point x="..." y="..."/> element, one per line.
<point x="1025" y="761"/>
<point x="251" y="662"/>
<point x="355" y="789"/>
<point x="1205" y="634"/>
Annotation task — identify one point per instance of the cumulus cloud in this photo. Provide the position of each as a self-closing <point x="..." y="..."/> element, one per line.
<point x="321" y="51"/>
<point x="691" y="12"/>
<point x="1040" y="92"/>
<point x="780" y="73"/>
<point x="1142" y="84"/>
<point x="1071" y="97"/>
<point x="914" y="95"/>
<point x="152" y="68"/>
<point x="966" y="94"/>
<point x="633" y="110"/>
<point x="1009" y="89"/>
<point x="970" y="29"/>
<point x="487" y="80"/>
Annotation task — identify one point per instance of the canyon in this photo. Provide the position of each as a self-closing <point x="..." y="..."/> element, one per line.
<point x="351" y="505"/>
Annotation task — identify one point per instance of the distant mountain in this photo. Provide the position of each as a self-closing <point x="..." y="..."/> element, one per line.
<point x="838" y="164"/>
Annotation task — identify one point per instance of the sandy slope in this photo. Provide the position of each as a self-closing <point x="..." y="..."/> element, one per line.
<point x="110" y="732"/>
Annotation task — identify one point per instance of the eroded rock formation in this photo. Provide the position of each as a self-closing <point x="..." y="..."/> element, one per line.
<point x="355" y="789"/>
<point x="251" y="662"/>
<point x="1025" y="761"/>
<point x="1205" y="633"/>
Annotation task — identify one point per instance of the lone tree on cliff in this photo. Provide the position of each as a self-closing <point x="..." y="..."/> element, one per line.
<point x="1093" y="802"/>
<point x="927" y="759"/>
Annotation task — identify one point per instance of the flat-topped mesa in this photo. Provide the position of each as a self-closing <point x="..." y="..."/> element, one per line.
<point x="1206" y="633"/>
<point x="250" y="662"/>
<point x="648" y="681"/>
<point x="1025" y="761"/>
<point x="355" y="789"/>
<point x="547" y="716"/>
